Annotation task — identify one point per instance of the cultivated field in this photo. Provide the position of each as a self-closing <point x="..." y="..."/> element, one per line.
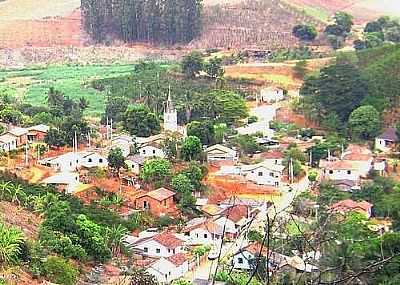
<point x="31" y="85"/>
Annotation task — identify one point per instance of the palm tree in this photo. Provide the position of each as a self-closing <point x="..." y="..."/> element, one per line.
<point x="115" y="235"/>
<point x="11" y="241"/>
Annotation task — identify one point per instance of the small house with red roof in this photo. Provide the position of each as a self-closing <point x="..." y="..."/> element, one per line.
<point x="234" y="218"/>
<point x="340" y="170"/>
<point x="20" y="134"/>
<point x="244" y="258"/>
<point x="158" y="202"/>
<point x="37" y="132"/>
<point x="165" y="270"/>
<point x="165" y="244"/>
<point x="345" y="206"/>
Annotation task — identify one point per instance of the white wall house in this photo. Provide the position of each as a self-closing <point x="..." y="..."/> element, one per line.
<point x="385" y="141"/>
<point x="151" y="150"/>
<point x="202" y="231"/>
<point x="271" y="95"/>
<point x="160" y="245"/>
<point x="340" y="170"/>
<point x="261" y="127"/>
<point x="264" y="173"/>
<point x="219" y="152"/>
<point x="168" y="269"/>
<point x="8" y="143"/>
<point x="71" y="161"/>
<point x="135" y="163"/>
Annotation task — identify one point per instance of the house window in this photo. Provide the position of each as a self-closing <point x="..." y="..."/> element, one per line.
<point x="187" y="234"/>
<point x="166" y="276"/>
<point x="146" y="205"/>
<point x="205" y="236"/>
<point x="154" y="151"/>
<point x="100" y="160"/>
<point x="260" y="173"/>
<point x="349" y="172"/>
<point x="144" y="151"/>
<point x="158" y="250"/>
<point x="276" y="161"/>
<point x="271" y="174"/>
<point x="240" y="260"/>
<point x="165" y="202"/>
<point x="146" y="249"/>
<point x="330" y="171"/>
<point x="169" y="250"/>
<point x="173" y="251"/>
<point x="70" y="164"/>
<point x="90" y="160"/>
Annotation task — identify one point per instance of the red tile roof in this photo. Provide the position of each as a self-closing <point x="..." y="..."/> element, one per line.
<point x="357" y="157"/>
<point x="177" y="259"/>
<point x="160" y="194"/>
<point x="255" y="247"/>
<point x="236" y="213"/>
<point x="350" y="205"/>
<point x="168" y="240"/>
<point x="273" y="154"/>
<point x="340" y="165"/>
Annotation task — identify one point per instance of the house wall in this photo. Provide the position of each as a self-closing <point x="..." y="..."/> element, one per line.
<point x="94" y="160"/>
<point x="153" y="247"/>
<point x="151" y="151"/>
<point x="9" y="146"/>
<point x="229" y="225"/>
<point x="201" y="236"/>
<point x="342" y="175"/>
<point x="263" y="176"/>
<point x="381" y="144"/>
<point x="241" y="260"/>
<point x="133" y="167"/>
<point x="154" y="206"/>
<point x="21" y="140"/>
<point x="271" y="95"/>
<point x="165" y="271"/>
<point x="219" y="155"/>
<point x="277" y="161"/>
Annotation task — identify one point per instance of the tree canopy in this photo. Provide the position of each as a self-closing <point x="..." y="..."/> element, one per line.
<point x="364" y="122"/>
<point x="305" y="32"/>
<point x="140" y="121"/>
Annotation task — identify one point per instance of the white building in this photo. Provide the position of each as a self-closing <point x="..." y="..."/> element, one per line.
<point x="340" y="170"/>
<point x="168" y="269"/>
<point x="160" y="245"/>
<point x="264" y="173"/>
<point x="68" y="181"/>
<point x="71" y="161"/>
<point x="151" y="150"/>
<point x="387" y="140"/>
<point x="202" y="231"/>
<point x="170" y="116"/>
<point x="271" y="95"/>
<point x="261" y="127"/>
<point x="135" y="163"/>
<point x="219" y="152"/>
<point x="8" y="143"/>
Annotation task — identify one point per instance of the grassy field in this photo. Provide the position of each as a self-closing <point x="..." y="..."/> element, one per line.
<point x="31" y="85"/>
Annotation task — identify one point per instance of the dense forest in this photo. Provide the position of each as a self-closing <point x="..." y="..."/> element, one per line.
<point x="156" y="21"/>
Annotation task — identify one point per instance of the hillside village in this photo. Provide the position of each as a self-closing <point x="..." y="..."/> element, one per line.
<point x="208" y="164"/>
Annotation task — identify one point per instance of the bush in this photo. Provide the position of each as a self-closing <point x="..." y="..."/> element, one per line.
<point x="60" y="271"/>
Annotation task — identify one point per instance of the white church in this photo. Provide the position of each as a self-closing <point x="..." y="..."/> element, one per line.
<point x="170" y="116"/>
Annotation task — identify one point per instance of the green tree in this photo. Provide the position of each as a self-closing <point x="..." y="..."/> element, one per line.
<point x="10" y="115"/>
<point x="191" y="148"/>
<point x="156" y="170"/>
<point x="214" y="68"/>
<point x="140" y="121"/>
<point x="229" y="106"/>
<point x="60" y="271"/>
<point x="246" y="144"/>
<point x="182" y="184"/>
<point x="305" y="32"/>
<point x="338" y="90"/>
<point x="204" y="130"/>
<point x="192" y="64"/>
<point x="364" y="122"/>
<point x="55" y="138"/>
<point x="116" y="160"/>
<point x="139" y="276"/>
<point x="114" y="237"/>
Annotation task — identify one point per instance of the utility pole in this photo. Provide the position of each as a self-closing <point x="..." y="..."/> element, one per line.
<point x="107" y="129"/>
<point x="111" y="129"/>
<point x="88" y="135"/>
<point x="76" y="142"/>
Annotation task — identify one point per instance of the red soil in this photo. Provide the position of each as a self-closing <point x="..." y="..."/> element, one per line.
<point x="58" y="31"/>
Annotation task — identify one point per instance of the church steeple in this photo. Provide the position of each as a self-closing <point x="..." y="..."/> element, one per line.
<point x="170" y="114"/>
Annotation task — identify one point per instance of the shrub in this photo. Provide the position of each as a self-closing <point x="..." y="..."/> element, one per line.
<point x="60" y="271"/>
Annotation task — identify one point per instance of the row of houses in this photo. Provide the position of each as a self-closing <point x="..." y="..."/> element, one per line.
<point x="17" y="137"/>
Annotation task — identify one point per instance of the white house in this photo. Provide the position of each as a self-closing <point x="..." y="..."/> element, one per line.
<point x="271" y="95"/>
<point x="8" y="143"/>
<point x="264" y="173"/>
<point x="234" y="218"/>
<point x="71" y="161"/>
<point x="340" y="170"/>
<point x="151" y="150"/>
<point x="68" y="181"/>
<point x="385" y="141"/>
<point x="244" y="259"/>
<point x="135" y="163"/>
<point x="219" y="152"/>
<point x="123" y="142"/>
<point x="164" y="244"/>
<point x="261" y="127"/>
<point x="168" y="269"/>
<point x="202" y="231"/>
<point x="360" y="157"/>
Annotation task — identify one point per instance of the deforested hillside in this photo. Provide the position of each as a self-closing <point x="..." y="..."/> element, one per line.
<point x="263" y="24"/>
